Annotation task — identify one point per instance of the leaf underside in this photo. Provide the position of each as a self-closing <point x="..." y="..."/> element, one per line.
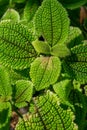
<point x="51" y="21"/>
<point x="46" y="114"/>
<point x="16" y="49"/>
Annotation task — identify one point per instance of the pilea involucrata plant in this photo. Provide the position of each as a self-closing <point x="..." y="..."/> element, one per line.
<point x="43" y="65"/>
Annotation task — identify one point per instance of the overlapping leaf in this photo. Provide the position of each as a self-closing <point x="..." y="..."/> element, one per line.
<point x="16" y="49"/>
<point x="51" y="21"/>
<point x="63" y="89"/>
<point x="30" y="9"/>
<point x="15" y="76"/>
<point x="5" y="113"/>
<point x="77" y="99"/>
<point x="72" y="4"/>
<point x="76" y="64"/>
<point x="60" y="50"/>
<point x="22" y="92"/>
<point x="5" y="86"/>
<point x="12" y="15"/>
<point x="75" y="37"/>
<point x="47" y="114"/>
<point x="45" y="71"/>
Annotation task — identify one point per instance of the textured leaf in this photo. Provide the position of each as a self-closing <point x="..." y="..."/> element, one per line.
<point x="45" y="71"/>
<point x="16" y="49"/>
<point x="23" y="92"/>
<point x="76" y="64"/>
<point x="30" y="9"/>
<point x="51" y="21"/>
<point x="41" y="47"/>
<point x="47" y="114"/>
<point x="5" y="113"/>
<point x="72" y="4"/>
<point x="75" y="37"/>
<point x="12" y="15"/>
<point x="77" y="99"/>
<point x="63" y="89"/>
<point x="60" y="50"/>
<point x="5" y="86"/>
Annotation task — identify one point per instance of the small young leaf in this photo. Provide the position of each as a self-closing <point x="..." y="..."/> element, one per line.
<point x="76" y="64"/>
<point x="12" y="15"/>
<point x="51" y="21"/>
<point x="45" y="71"/>
<point x="5" y="114"/>
<point x="41" y="47"/>
<point x="60" y="50"/>
<point x="22" y="92"/>
<point x="5" y="85"/>
<point x="47" y="114"/>
<point x="16" y="49"/>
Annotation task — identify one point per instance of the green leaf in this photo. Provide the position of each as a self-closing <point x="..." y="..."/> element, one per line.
<point x="77" y="99"/>
<point x="41" y="47"/>
<point x="76" y="64"/>
<point x="75" y="37"/>
<point x="15" y="76"/>
<point x="63" y="89"/>
<point x="51" y="21"/>
<point x="12" y="15"/>
<point x="22" y="93"/>
<point x="46" y="113"/>
<point x="60" y="50"/>
<point x="45" y="71"/>
<point x="5" y="85"/>
<point x="30" y="9"/>
<point x="72" y="4"/>
<point x="16" y="49"/>
<point x="5" y="114"/>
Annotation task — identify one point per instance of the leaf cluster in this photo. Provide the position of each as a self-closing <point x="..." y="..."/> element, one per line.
<point x="43" y="65"/>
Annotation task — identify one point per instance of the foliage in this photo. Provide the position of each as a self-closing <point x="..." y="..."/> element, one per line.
<point x="43" y="64"/>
